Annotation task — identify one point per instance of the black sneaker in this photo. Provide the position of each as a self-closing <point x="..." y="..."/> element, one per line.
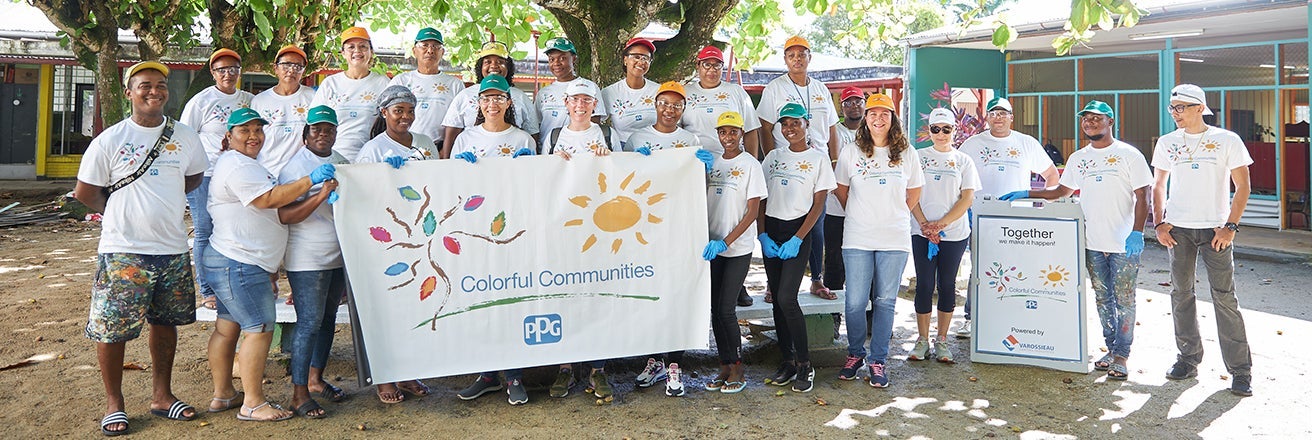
<point x="805" y="378"/>
<point x="852" y="367"/>
<point x="1182" y="371"/>
<point x="785" y="374"/>
<point x="1242" y="385"/>
<point x="481" y="386"/>
<point x="744" y="300"/>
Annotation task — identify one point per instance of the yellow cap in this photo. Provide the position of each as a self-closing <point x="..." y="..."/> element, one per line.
<point x="729" y="119"/>
<point x="796" y="41"/>
<point x="493" y="48"/>
<point x="672" y="86"/>
<point x="355" y="32"/>
<point x="144" y="65"/>
<point x="880" y="100"/>
<point x="224" y="52"/>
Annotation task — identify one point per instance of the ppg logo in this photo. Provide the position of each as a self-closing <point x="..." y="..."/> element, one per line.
<point x="542" y="329"/>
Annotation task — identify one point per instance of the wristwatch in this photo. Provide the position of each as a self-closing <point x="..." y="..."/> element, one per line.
<point x="1233" y="227"/>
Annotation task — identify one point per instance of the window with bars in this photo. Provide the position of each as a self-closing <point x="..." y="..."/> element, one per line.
<point x="74" y="109"/>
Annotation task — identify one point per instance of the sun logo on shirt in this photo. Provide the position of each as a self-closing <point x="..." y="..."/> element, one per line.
<point x="503" y="150"/>
<point x="172" y="148"/>
<point x="1055" y="276"/>
<point x="367" y="97"/>
<point x="1113" y="160"/>
<point x="678" y="144"/>
<point x="300" y="110"/>
<point x="1013" y="153"/>
<point x="1211" y="146"/>
<point x="721" y="96"/>
<point x="440" y="88"/>
<point x="737" y="172"/>
<point x="648" y="100"/>
<point x="594" y="147"/>
<point x="622" y="212"/>
<point x="819" y="99"/>
<point x="952" y="163"/>
<point x="805" y="167"/>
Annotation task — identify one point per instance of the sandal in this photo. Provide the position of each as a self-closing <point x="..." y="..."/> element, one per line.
<point x="209" y="302"/>
<point x="114" y="418"/>
<point x="824" y="294"/>
<point x="332" y="392"/>
<point x="391" y="397"/>
<point x="1103" y="363"/>
<point x="226" y="404"/>
<point x="177" y="411"/>
<point x="415" y="387"/>
<point x="769" y="297"/>
<point x="309" y="408"/>
<point x="1117" y="372"/>
<point x="250" y="413"/>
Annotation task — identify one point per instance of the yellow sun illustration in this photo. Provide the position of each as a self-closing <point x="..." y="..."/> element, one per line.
<point x="300" y="110"/>
<point x="804" y="166"/>
<point x="171" y="147"/>
<point x="1013" y="152"/>
<point x="679" y="144"/>
<point x="1211" y="146"/>
<point x="649" y="100"/>
<point x="440" y="87"/>
<point x="367" y="97"/>
<point x="1056" y="276"/>
<point x="736" y="172"/>
<point x="618" y="214"/>
<point x="504" y="150"/>
<point x="722" y="96"/>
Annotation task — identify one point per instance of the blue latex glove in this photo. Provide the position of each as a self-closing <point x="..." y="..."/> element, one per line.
<point x="1134" y="243"/>
<point x="332" y="197"/>
<point x="522" y="152"/>
<point x="468" y="156"/>
<point x="789" y="249"/>
<point x="933" y="247"/>
<point x="707" y="158"/>
<point x="769" y="248"/>
<point x="322" y="173"/>
<point x="645" y="151"/>
<point x="713" y="248"/>
<point x="1015" y="195"/>
<point x="394" y="161"/>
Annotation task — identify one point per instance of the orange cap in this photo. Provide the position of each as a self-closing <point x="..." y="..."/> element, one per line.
<point x="674" y="87"/>
<point x="355" y="32"/>
<point x="290" y="48"/>
<point x="880" y="100"/>
<point x="224" y="52"/>
<point x="796" y="41"/>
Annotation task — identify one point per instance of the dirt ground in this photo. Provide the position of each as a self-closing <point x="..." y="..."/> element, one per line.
<point x="46" y="271"/>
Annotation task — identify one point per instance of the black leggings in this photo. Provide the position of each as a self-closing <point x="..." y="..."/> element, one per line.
<point x="784" y="278"/>
<point x="940" y="272"/>
<point x="727" y="276"/>
<point x="834" y="273"/>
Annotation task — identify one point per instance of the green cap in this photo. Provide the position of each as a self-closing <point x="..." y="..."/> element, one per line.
<point x="494" y="82"/>
<point x="999" y="102"/>
<point x="560" y="43"/>
<point x="792" y="110"/>
<point x="1098" y="107"/>
<point x="321" y="113"/>
<point x="244" y="115"/>
<point x="429" y="33"/>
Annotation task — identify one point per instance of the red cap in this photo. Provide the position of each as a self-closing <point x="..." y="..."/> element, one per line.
<point x="710" y="53"/>
<point x="643" y="41"/>
<point x="852" y="92"/>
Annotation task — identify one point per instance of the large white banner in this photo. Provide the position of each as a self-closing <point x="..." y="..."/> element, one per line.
<point x="459" y="268"/>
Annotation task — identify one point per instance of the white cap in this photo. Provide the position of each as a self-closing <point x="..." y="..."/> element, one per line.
<point x="581" y="88"/>
<point x="1191" y="94"/>
<point x="942" y="116"/>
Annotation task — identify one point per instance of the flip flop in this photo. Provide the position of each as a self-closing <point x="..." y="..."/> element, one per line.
<point x="392" y="397"/>
<point x="1103" y="363"/>
<point x="114" y="418"/>
<point x="1118" y="372"/>
<point x="332" y="392"/>
<point x="227" y="403"/>
<point x="250" y="413"/>
<point x="209" y="302"/>
<point x="825" y="294"/>
<point x="177" y="411"/>
<point x="769" y="297"/>
<point x="415" y="387"/>
<point x="733" y="387"/>
<point x="311" y="406"/>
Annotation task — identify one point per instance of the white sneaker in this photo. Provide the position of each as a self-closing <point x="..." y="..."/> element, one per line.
<point x="673" y="384"/>
<point x="654" y="372"/>
<point x="963" y="332"/>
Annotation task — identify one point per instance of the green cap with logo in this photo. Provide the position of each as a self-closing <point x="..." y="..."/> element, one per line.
<point x="999" y="103"/>
<point x="244" y="115"/>
<point x="1098" y="107"/>
<point x="792" y="110"/>
<point x="562" y="44"/>
<point x="494" y="82"/>
<point x="429" y="33"/>
<point x="321" y="113"/>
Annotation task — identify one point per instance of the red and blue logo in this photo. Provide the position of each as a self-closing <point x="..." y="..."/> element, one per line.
<point x="1011" y="343"/>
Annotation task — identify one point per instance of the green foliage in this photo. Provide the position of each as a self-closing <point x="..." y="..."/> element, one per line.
<point x="1085" y="14"/>
<point x="747" y="25"/>
<point x="466" y="24"/>
<point x="834" y="33"/>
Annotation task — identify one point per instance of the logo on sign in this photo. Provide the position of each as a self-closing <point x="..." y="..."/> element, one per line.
<point x="542" y="329"/>
<point x="1011" y="342"/>
<point x="1031" y="304"/>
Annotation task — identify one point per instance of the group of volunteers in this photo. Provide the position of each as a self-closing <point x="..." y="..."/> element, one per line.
<point x="855" y="200"/>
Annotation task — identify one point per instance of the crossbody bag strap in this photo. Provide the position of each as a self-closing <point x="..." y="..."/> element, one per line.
<point x="150" y="159"/>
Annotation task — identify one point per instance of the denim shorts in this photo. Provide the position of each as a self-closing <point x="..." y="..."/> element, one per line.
<point x="244" y="292"/>
<point x="130" y="288"/>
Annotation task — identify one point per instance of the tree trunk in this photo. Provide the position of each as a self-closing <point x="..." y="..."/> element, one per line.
<point x="109" y="86"/>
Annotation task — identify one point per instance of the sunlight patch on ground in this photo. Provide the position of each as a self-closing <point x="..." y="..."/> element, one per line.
<point x="995" y="422"/>
<point x="844" y="420"/>
<point x="1041" y="435"/>
<point x="7" y="269"/>
<point x="1188" y="401"/>
<point x="1129" y="403"/>
<point x="58" y="252"/>
<point x="953" y="405"/>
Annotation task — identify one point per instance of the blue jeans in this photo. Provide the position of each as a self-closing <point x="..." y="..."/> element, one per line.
<point x="244" y="292"/>
<point x="1113" y="277"/>
<point x="872" y="276"/>
<point x="198" y="202"/>
<point x="316" y="294"/>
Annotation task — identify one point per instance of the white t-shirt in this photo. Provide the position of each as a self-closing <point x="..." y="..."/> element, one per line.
<point x="463" y="113"/>
<point x="286" y="116"/>
<point x="312" y="243"/>
<point x="878" y="218"/>
<point x="435" y="93"/>
<point x="1005" y="164"/>
<point x="704" y="107"/>
<point x="630" y="109"/>
<point x="655" y="140"/>
<point x="1107" y="178"/>
<point x="731" y="183"/>
<point x="946" y="176"/>
<point x="356" y="104"/>
<point x="832" y="207"/>
<point x="815" y="97"/>
<point x="793" y="179"/>
<point x="484" y="143"/>
<point x="1199" y="193"/>
<point x="550" y="103"/>
<point x="383" y="146"/>
<point x="242" y="232"/>
<point x="207" y="113"/>
<point x="144" y="217"/>
<point x="588" y="141"/>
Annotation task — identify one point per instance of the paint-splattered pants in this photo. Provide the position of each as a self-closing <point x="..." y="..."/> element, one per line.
<point x="1113" y="277"/>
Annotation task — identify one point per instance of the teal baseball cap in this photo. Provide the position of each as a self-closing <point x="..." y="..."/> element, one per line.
<point x="1098" y="107"/>
<point x="792" y="110"/>
<point x="321" y="113"/>
<point x="562" y="44"/>
<point x="999" y="103"/>
<point x="429" y="33"/>
<point x="244" y="115"/>
<point x="494" y="82"/>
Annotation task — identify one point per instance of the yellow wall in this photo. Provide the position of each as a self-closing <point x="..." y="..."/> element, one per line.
<point x="45" y="109"/>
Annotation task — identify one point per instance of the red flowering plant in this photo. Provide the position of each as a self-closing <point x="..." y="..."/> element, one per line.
<point x="968" y="124"/>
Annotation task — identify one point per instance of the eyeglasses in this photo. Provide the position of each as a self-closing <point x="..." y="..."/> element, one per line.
<point x="428" y="45"/>
<point x="1180" y="107"/>
<point x="494" y="99"/>
<point x="999" y="114"/>
<point x="639" y="56"/>
<point x="853" y="103"/>
<point x="581" y="99"/>
<point x="936" y="129"/>
<point x="230" y="70"/>
<point x="666" y="105"/>
<point x="294" y="67"/>
<point x="710" y="66"/>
